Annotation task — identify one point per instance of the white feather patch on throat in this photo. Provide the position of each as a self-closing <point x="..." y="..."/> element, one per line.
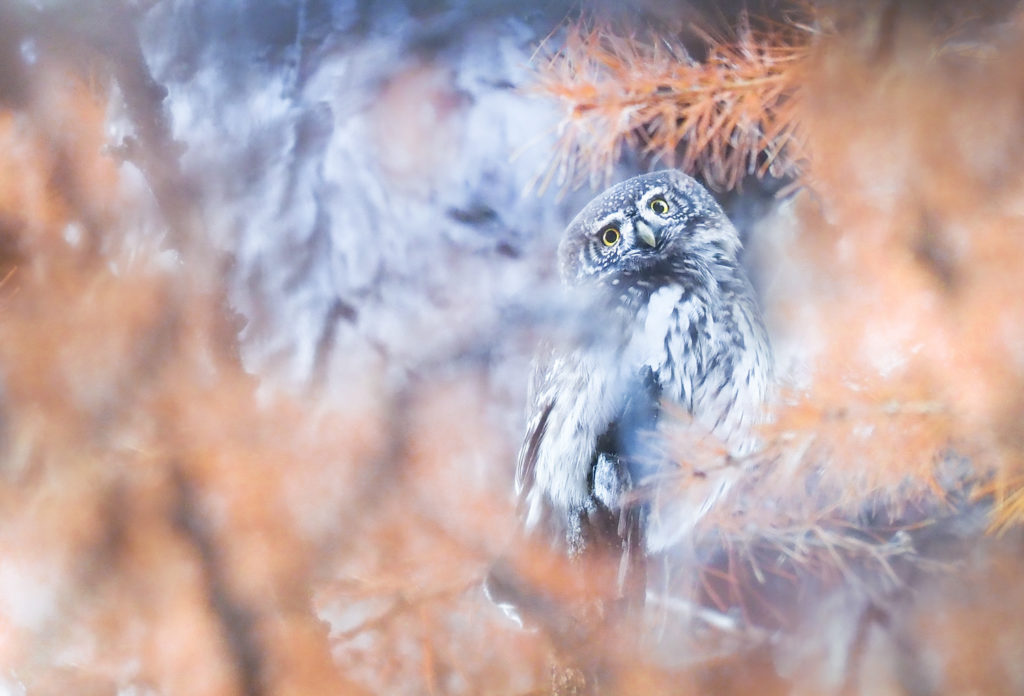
<point x="647" y="348"/>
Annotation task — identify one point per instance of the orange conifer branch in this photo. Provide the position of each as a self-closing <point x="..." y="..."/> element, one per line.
<point x="732" y="115"/>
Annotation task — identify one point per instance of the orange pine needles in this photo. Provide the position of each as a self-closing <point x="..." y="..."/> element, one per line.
<point x="729" y="116"/>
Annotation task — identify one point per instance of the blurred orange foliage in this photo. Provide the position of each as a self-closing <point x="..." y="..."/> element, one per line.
<point x="170" y="525"/>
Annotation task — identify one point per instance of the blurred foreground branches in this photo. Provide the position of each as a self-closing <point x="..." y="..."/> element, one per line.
<point x="173" y="523"/>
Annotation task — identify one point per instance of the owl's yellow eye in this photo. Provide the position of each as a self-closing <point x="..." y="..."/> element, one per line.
<point x="658" y="205"/>
<point x="610" y="236"/>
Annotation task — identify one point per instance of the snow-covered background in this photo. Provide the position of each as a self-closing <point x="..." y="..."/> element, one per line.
<point x="368" y="167"/>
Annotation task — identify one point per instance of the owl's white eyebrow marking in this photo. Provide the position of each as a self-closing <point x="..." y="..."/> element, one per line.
<point x="612" y="219"/>
<point x="660" y="191"/>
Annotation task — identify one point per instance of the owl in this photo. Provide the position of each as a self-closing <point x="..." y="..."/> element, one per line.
<point x="670" y="320"/>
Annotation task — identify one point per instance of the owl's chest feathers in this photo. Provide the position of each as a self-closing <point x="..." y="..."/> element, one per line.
<point x="702" y="346"/>
<point x="707" y="351"/>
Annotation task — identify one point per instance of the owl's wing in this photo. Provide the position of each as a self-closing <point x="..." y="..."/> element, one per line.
<point x="582" y="402"/>
<point x="541" y="400"/>
<point x="573" y="401"/>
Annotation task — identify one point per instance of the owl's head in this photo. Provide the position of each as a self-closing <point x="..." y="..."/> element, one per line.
<point x="653" y="229"/>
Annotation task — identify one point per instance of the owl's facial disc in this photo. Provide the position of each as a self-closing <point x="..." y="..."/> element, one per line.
<point x="645" y="231"/>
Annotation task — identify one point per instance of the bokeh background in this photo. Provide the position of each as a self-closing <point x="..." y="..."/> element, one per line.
<point x="271" y="275"/>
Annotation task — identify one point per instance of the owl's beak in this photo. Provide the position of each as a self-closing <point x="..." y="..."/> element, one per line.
<point x="646" y="233"/>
